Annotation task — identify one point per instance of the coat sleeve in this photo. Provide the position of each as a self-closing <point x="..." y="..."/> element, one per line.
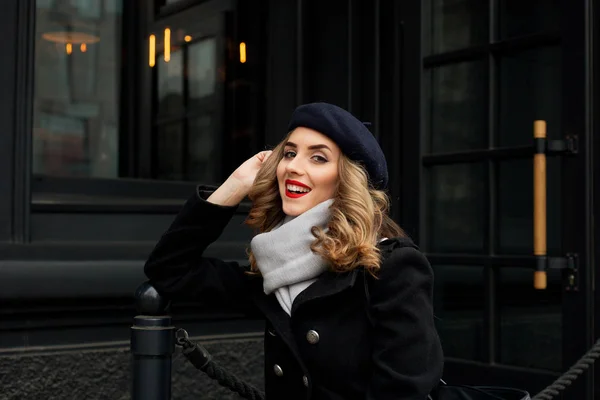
<point x="407" y="354"/>
<point x="177" y="268"/>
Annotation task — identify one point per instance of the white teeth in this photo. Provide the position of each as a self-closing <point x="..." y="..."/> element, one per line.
<point x="294" y="188"/>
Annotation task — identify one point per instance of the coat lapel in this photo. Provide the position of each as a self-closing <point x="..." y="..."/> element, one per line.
<point x="328" y="284"/>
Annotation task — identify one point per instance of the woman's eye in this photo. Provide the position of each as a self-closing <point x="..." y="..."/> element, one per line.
<point x="320" y="159"/>
<point x="289" y="154"/>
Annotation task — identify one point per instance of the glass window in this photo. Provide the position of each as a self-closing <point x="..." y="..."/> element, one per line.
<point x="208" y="93"/>
<point x="189" y="102"/>
<point x="457" y="107"/>
<point x="457" y="209"/>
<point x="515" y="206"/>
<point x="530" y="89"/>
<point x="459" y="308"/>
<point x="455" y="24"/>
<point x="77" y="93"/>
<point x="170" y="86"/>
<point x="530" y="320"/>
<point x="202" y="68"/>
<point x="519" y="18"/>
<point x="204" y="76"/>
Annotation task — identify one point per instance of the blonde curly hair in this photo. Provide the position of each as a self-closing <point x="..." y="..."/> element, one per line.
<point x="359" y="216"/>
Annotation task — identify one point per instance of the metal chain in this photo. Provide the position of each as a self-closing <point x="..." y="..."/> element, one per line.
<point x="202" y="360"/>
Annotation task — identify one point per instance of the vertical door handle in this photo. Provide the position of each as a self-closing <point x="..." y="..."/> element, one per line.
<point x="539" y="205"/>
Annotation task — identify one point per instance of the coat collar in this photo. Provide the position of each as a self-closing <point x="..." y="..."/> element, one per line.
<point x="328" y="284"/>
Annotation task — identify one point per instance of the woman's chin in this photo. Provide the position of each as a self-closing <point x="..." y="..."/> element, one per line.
<point x="292" y="210"/>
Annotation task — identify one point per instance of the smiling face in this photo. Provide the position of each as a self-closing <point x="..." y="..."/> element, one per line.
<point x="308" y="172"/>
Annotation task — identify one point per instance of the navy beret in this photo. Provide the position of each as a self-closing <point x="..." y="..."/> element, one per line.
<point x="351" y="135"/>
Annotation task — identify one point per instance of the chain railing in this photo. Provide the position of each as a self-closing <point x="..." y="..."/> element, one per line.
<point x="153" y="341"/>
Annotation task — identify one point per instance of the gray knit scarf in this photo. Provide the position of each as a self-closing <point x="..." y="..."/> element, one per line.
<point x="284" y="258"/>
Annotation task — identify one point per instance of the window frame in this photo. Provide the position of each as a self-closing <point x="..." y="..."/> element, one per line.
<point x="16" y="77"/>
<point x="62" y="189"/>
<point x="134" y="189"/>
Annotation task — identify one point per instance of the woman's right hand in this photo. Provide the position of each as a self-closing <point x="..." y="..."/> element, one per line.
<point x="246" y="173"/>
<point x="239" y="183"/>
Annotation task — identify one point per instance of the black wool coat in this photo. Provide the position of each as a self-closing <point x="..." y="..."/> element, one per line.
<point x="350" y="336"/>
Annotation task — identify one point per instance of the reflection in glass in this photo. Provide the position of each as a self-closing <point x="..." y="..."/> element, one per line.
<point x="203" y="151"/>
<point x="530" y="89"/>
<point x="515" y="206"/>
<point x="455" y="24"/>
<point x="76" y="96"/>
<point x="170" y="85"/>
<point x="216" y="102"/>
<point x="189" y="149"/>
<point x="457" y="107"/>
<point x="456" y="208"/>
<point x="458" y="308"/>
<point x="518" y="18"/>
<point x="530" y="320"/>
<point x="202" y="73"/>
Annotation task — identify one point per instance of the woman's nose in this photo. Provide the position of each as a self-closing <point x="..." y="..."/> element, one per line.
<point x="294" y="166"/>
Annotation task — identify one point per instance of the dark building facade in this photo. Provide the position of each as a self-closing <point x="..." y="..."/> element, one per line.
<point x="113" y="110"/>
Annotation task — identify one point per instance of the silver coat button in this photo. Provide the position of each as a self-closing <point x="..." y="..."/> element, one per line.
<point x="277" y="369"/>
<point x="272" y="332"/>
<point x="312" y="337"/>
<point x="305" y="380"/>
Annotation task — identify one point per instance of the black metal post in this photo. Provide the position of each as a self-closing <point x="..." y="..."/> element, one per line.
<point x="152" y="346"/>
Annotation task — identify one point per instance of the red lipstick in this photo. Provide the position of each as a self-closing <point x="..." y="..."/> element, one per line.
<point x="295" y="183"/>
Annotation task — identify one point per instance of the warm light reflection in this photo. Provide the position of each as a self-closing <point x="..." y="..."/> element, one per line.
<point x="70" y="37"/>
<point x="187" y="38"/>
<point x="167" y="45"/>
<point x="69" y="48"/>
<point x="242" y="52"/>
<point x="152" y="51"/>
<point x="83" y="47"/>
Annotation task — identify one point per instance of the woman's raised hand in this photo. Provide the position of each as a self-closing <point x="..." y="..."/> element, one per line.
<point x="238" y="185"/>
<point x="246" y="173"/>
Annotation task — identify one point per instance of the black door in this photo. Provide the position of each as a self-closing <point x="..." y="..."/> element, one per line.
<point x="485" y="71"/>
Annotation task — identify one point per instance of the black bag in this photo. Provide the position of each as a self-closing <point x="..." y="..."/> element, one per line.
<point x="463" y="392"/>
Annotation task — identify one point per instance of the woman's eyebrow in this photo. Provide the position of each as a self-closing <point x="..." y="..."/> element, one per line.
<point x="319" y="146"/>
<point x="313" y="147"/>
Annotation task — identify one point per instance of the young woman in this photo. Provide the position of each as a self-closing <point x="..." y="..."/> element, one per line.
<point x="346" y="296"/>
